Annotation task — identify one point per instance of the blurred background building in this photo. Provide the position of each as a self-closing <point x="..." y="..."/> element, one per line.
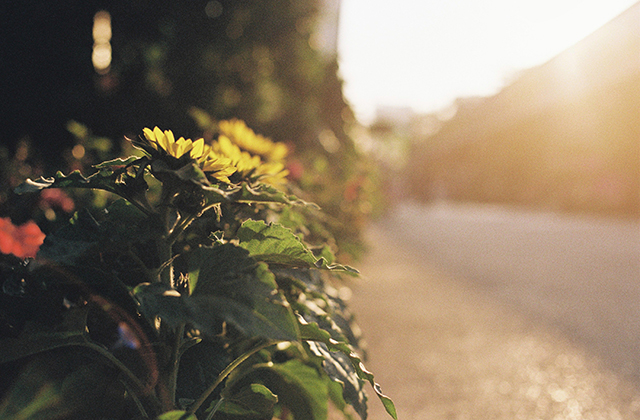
<point x="564" y="135"/>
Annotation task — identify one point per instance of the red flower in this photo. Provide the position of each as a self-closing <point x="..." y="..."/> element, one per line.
<point x="296" y="170"/>
<point x="22" y="241"/>
<point x="56" y="198"/>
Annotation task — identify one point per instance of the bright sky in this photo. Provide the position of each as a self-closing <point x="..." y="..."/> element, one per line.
<point x="424" y="54"/>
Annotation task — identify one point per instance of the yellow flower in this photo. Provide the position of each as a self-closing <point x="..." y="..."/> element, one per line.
<point x="250" y="167"/>
<point x="238" y="132"/>
<point x="165" y="140"/>
<point x="220" y="166"/>
<point x="273" y="173"/>
<point x="243" y="161"/>
<point x="207" y="159"/>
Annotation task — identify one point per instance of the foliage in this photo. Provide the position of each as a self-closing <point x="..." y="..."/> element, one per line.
<point x="256" y="60"/>
<point x="195" y="294"/>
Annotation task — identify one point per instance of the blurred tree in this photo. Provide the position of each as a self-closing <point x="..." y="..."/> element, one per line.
<point x="250" y="59"/>
<point x="247" y="59"/>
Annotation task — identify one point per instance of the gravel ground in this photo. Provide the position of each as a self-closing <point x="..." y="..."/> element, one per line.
<point x="441" y="350"/>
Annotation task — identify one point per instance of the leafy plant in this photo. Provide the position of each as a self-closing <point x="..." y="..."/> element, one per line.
<point x="185" y="298"/>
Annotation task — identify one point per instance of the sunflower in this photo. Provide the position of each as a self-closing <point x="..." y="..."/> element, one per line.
<point x="166" y="141"/>
<point x="162" y="144"/>
<point x="243" y="136"/>
<point x="244" y="162"/>
<point x="273" y="173"/>
<point x="250" y="166"/>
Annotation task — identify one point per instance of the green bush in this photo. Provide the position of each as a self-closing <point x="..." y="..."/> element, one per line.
<point x="194" y="292"/>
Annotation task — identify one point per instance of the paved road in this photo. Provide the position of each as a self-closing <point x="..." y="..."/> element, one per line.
<point x="488" y="313"/>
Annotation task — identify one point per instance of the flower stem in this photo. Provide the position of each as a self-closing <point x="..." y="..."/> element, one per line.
<point x="171" y="338"/>
<point x="230" y="367"/>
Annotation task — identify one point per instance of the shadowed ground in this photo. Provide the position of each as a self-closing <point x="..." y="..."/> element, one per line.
<point x="443" y="348"/>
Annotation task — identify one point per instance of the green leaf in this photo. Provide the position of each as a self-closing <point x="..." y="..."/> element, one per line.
<point x="243" y="291"/>
<point x="312" y="332"/>
<point x="301" y="387"/>
<point x="336" y="391"/>
<point x="262" y="319"/>
<point x="118" y="162"/>
<point x="31" y="399"/>
<point x="200" y="367"/>
<point x="273" y="243"/>
<point x="264" y="392"/>
<point x="245" y="193"/>
<point x="307" y="383"/>
<point x="339" y="368"/>
<point x="263" y="193"/>
<point x="123" y="213"/>
<point x="227" y="284"/>
<point x="60" y="180"/>
<point x="189" y="172"/>
<point x="253" y="401"/>
<point x="36" y="338"/>
<point x="109" y="178"/>
<point x="176" y="415"/>
<point x="104" y="179"/>
<point x="219" y="266"/>
<point x="215" y="195"/>
<point x="121" y="223"/>
<point x="322" y="303"/>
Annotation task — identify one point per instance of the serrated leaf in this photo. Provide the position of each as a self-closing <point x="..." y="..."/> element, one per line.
<point x="312" y="332"/>
<point x="322" y="303"/>
<point x="110" y="178"/>
<point x="227" y="284"/>
<point x="118" y="162"/>
<point x="216" y="195"/>
<point x="273" y="243"/>
<point x="60" y="180"/>
<point x="206" y="313"/>
<point x="105" y="179"/>
<point x="263" y="193"/>
<point x="220" y="266"/>
<point x="338" y="366"/>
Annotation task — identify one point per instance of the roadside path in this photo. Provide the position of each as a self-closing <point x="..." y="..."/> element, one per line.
<point x="442" y="350"/>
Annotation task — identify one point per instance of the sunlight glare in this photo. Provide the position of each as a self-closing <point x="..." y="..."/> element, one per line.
<point x="426" y="54"/>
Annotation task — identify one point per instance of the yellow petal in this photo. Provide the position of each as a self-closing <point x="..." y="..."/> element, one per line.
<point x="223" y="174"/>
<point x="197" y="148"/>
<point x="206" y="151"/>
<point x="181" y="147"/>
<point x="160" y="138"/>
<point x="148" y="134"/>
<point x="169" y="136"/>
